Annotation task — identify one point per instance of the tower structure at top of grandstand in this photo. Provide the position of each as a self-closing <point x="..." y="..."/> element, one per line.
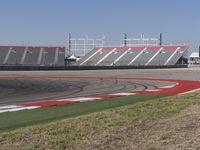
<point x="141" y="41"/>
<point x="81" y="46"/>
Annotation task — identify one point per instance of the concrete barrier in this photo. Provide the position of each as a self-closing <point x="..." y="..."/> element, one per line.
<point x="32" y="68"/>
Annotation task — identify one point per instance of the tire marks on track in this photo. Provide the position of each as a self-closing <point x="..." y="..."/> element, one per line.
<point x="24" y="89"/>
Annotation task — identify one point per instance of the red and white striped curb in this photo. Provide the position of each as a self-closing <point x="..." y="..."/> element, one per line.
<point x="179" y="87"/>
<point x="13" y="108"/>
<point x="34" y="105"/>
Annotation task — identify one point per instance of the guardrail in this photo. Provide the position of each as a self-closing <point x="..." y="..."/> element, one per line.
<point x="194" y="65"/>
<point x="50" y="68"/>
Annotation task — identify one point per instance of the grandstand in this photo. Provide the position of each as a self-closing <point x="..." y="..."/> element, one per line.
<point x="92" y="53"/>
<point x="31" y="56"/>
<point x="99" y="56"/>
<point x="133" y="56"/>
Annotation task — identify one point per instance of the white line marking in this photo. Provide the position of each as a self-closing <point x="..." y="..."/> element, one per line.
<point x="192" y="91"/>
<point x="137" y="56"/>
<point x="80" y="99"/>
<point x="105" y="56"/>
<point x="32" y="107"/>
<point x="168" y="87"/>
<point x="122" y="94"/>
<point x="121" y="56"/>
<point x="154" y="56"/>
<point x="3" y="111"/>
<point x="17" y="109"/>
<point x="8" y="107"/>
<point x="171" y="56"/>
<point x="13" y="108"/>
<point x="152" y="90"/>
<point x="91" y="56"/>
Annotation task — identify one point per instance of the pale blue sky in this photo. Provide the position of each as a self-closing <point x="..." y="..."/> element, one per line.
<point x="47" y="22"/>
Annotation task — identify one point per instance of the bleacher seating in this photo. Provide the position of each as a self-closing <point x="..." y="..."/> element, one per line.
<point x="161" y="57"/>
<point x="145" y="56"/>
<point x="32" y="55"/>
<point x="60" y="57"/>
<point x="133" y="56"/>
<point x="3" y="53"/>
<point x="128" y="56"/>
<point x="99" y="56"/>
<point x="14" y="56"/>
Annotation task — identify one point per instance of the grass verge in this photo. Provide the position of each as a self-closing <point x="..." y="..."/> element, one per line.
<point x="13" y="120"/>
<point x="82" y="132"/>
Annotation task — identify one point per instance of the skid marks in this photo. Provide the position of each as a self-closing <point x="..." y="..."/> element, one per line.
<point x="177" y="87"/>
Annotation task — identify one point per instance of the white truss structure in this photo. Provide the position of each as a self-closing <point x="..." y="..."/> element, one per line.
<point x="81" y="46"/>
<point x="142" y="41"/>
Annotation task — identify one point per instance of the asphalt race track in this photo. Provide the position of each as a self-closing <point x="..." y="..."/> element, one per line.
<point x="29" y="86"/>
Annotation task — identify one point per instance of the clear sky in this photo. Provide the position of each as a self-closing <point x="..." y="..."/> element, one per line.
<point x="47" y="22"/>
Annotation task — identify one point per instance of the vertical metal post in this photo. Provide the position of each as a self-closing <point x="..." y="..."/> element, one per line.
<point x="125" y="39"/>
<point x="69" y="45"/>
<point x="160" y="39"/>
<point x="67" y="51"/>
<point x="199" y="51"/>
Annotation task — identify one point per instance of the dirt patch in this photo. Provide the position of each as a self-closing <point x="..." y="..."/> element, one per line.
<point x="181" y="131"/>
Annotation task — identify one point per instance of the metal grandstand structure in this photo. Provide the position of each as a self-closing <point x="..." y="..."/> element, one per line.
<point x="31" y="56"/>
<point x="135" y="52"/>
<point x="134" y="56"/>
<point x="141" y="41"/>
<point x="93" y="52"/>
<point x="81" y="46"/>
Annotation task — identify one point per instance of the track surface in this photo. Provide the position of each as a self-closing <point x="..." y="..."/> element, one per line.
<point x="18" y="87"/>
<point x="24" y="89"/>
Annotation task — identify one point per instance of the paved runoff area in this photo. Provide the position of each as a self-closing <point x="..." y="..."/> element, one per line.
<point x="33" y="89"/>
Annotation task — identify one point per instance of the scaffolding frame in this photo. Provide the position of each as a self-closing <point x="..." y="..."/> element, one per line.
<point x="80" y="46"/>
<point x="142" y="41"/>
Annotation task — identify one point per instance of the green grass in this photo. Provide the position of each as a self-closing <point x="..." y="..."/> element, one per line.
<point x="80" y="132"/>
<point x="10" y="121"/>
